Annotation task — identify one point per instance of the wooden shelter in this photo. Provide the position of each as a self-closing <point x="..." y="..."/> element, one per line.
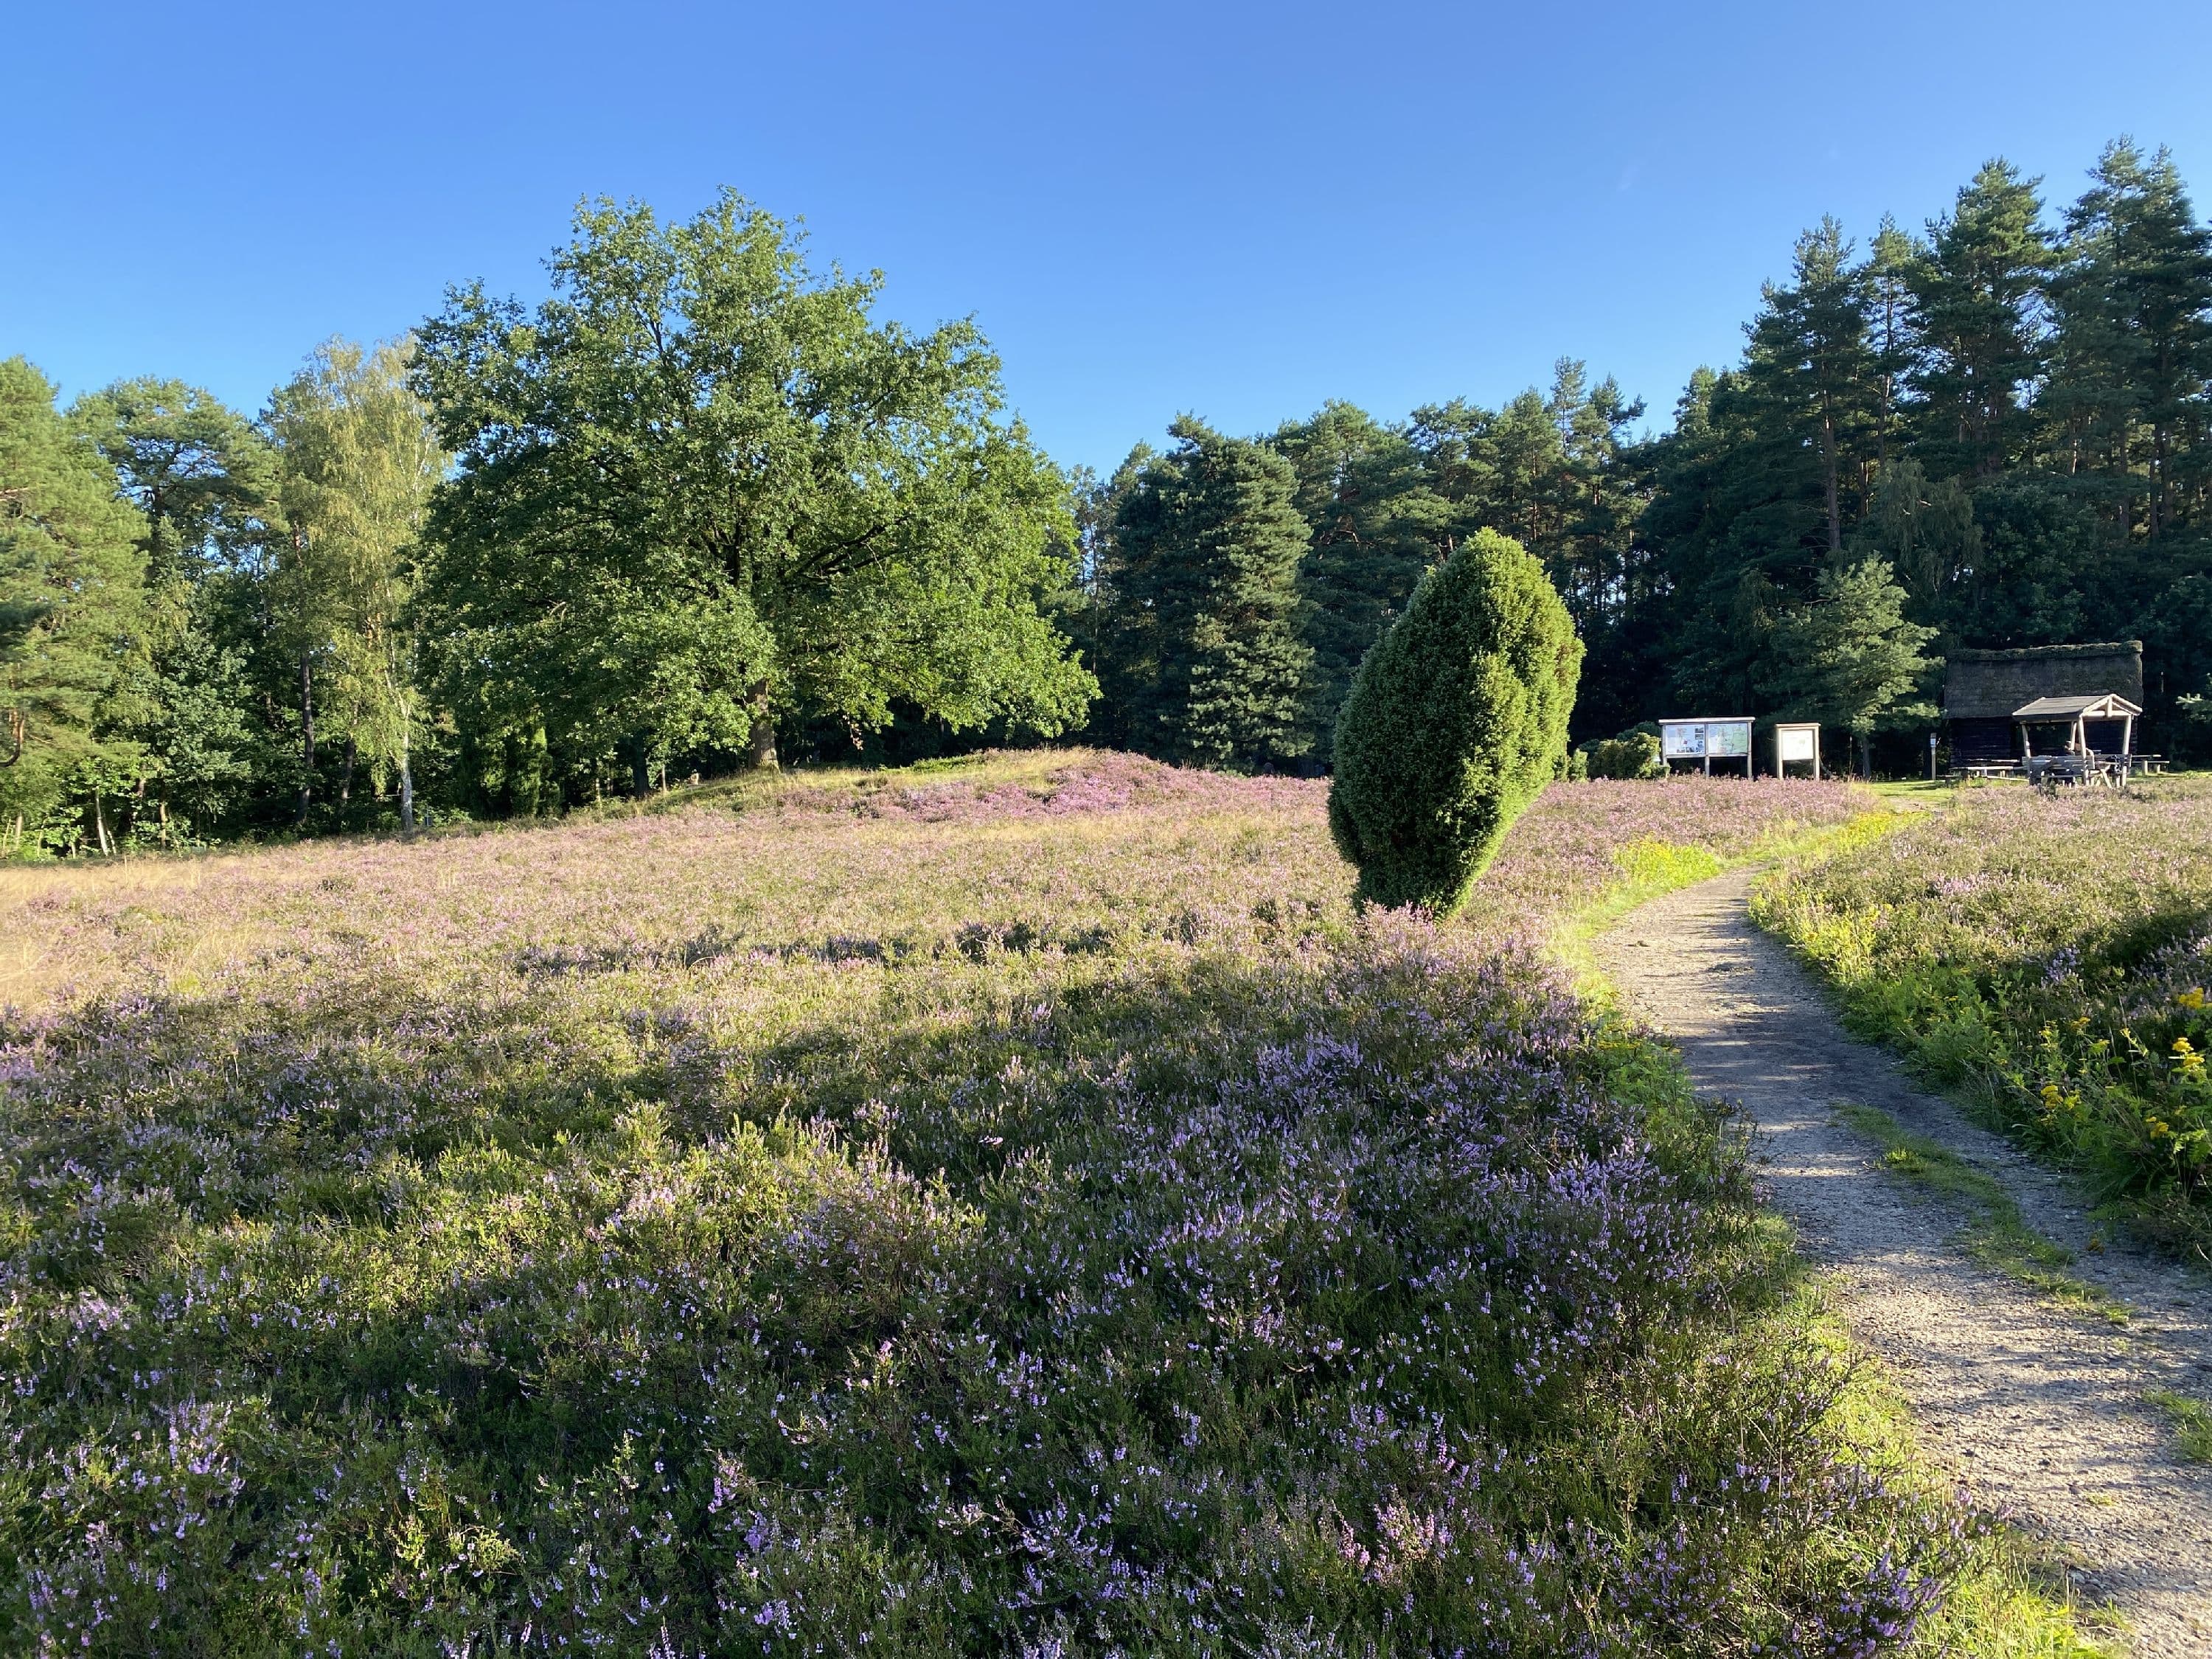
<point x="1984" y="689"/>
<point x="2098" y="740"/>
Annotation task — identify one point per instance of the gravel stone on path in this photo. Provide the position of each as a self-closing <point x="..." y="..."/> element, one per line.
<point x="2038" y="1409"/>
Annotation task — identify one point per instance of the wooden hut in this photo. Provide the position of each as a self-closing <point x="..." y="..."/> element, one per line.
<point x="2084" y="726"/>
<point x="1983" y="691"/>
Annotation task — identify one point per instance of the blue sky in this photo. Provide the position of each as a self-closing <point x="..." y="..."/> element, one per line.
<point x="1239" y="210"/>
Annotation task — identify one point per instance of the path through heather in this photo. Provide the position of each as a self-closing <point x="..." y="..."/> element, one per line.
<point x="2039" y="1409"/>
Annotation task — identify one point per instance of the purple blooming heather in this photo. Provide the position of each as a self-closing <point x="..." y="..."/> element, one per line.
<point x="1014" y="1206"/>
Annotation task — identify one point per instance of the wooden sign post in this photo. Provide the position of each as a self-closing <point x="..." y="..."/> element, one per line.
<point x="1796" y="744"/>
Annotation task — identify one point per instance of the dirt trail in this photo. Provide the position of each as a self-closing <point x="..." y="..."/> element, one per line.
<point x="2038" y="1408"/>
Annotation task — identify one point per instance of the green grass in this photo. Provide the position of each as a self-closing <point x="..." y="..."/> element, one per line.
<point x="1996" y="1234"/>
<point x="1917" y="791"/>
<point x="2191" y="1419"/>
<point x="1649" y="868"/>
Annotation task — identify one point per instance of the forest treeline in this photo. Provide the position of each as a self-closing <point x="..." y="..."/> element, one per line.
<point x="1991" y="434"/>
<point x="701" y="505"/>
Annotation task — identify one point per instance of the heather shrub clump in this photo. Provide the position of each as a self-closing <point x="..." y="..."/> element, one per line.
<point x="1456" y="718"/>
<point x="2052" y="956"/>
<point x="799" y="1230"/>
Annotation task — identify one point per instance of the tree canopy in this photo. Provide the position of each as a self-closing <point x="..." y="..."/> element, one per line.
<point x="358" y="463"/>
<point x="704" y="503"/>
<point x="702" y="487"/>
<point x="72" y="609"/>
<point x="1208" y="540"/>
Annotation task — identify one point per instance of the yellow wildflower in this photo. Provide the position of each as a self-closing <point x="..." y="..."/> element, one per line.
<point x="2186" y="1057"/>
<point x="2193" y="997"/>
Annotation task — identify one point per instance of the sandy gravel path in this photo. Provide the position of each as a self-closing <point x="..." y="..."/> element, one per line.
<point x="2038" y="1408"/>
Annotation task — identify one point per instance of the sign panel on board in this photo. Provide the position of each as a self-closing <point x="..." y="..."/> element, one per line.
<point x="1796" y="743"/>
<point x="1704" y="739"/>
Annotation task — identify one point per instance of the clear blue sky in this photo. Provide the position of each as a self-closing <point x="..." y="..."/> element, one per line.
<point x="1239" y="210"/>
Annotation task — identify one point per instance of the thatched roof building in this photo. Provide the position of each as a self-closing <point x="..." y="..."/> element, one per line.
<point x="1983" y="688"/>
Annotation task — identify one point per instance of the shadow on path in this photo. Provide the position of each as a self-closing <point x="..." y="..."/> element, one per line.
<point x="2039" y="1409"/>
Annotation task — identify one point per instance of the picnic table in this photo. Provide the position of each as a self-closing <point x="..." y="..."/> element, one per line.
<point x="2048" y="771"/>
<point x="2089" y="771"/>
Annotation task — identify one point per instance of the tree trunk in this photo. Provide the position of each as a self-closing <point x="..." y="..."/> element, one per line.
<point x="763" y="732"/>
<point x="307" y="737"/>
<point x="345" y="778"/>
<point x="406" y="789"/>
<point x="99" y="823"/>
<point x="2159" y="503"/>
<point x="1835" y="504"/>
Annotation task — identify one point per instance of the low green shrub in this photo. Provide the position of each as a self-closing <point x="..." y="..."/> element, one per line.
<point x="1631" y="755"/>
<point x="1456" y="718"/>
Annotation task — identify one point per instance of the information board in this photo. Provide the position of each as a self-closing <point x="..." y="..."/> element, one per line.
<point x="1704" y="739"/>
<point x="1797" y="743"/>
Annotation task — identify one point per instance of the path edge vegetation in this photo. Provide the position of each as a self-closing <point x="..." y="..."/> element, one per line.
<point x="2011" y="1594"/>
<point x="1973" y="1078"/>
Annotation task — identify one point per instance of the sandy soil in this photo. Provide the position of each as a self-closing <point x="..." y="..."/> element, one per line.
<point x="2039" y="1409"/>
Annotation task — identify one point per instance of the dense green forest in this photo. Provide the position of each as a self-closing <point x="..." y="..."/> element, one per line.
<point x="701" y="506"/>
<point x="1993" y="433"/>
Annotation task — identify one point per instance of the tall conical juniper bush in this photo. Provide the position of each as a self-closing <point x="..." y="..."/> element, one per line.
<point x="1457" y="717"/>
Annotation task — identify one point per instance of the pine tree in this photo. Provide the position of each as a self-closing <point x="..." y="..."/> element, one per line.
<point x="72" y="614"/>
<point x="1113" y="629"/>
<point x="1553" y="469"/>
<point x="1891" y="263"/>
<point x="203" y="473"/>
<point x="1591" y="553"/>
<point x="1811" y="360"/>
<point x="1375" y="524"/>
<point x="1209" y="541"/>
<point x="2134" y="314"/>
<point x="204" y="476"/>
<point x="1924" y="529"/>
<point x="1853" y="656"/>
<point x="1753" y="479"/>
<point x="1978" y="309"/>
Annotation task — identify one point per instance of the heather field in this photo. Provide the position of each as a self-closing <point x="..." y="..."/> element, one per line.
<point x="1012" y="1207"/>
<point x="2054" y="956"/>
